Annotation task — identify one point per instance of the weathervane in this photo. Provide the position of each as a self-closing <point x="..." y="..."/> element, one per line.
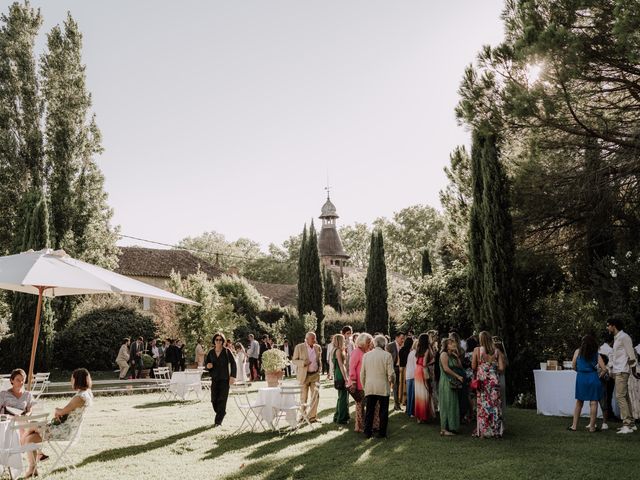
<point x="328" y="188"/>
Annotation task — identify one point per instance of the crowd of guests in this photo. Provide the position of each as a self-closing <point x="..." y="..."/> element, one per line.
<point x="457" y="381"/>
<point x="172" y="353"/>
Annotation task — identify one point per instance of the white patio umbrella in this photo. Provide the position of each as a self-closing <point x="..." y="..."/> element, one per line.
<point x="49" y="273"/>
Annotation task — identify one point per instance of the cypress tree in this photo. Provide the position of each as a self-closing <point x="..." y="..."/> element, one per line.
<point x="303" y="287"/>
<point x="331" y="294"/>
<point x="35" y="235"/>
<point x="426" y="263"/>
<point x="316" y="297"/>
<point x="377" y="313"/>
<point x="476" y="234"/>
<point x="498" y="244"/>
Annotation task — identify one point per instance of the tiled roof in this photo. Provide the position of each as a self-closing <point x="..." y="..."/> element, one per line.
<point x="153" y="262"/>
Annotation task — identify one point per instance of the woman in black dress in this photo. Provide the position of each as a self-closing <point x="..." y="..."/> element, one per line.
<point x="222" y="368"/>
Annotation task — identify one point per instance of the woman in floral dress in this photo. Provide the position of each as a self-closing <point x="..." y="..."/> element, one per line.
<point x="487" y="363"/>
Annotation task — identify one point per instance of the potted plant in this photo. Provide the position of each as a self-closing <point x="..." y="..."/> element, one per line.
<point x="273" y="363"/>
<point x="147" y="364"/>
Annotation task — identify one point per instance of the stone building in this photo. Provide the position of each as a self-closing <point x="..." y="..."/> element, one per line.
<point x="330" y="249"/>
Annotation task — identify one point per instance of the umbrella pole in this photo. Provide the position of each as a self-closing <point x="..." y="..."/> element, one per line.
<point x="36" y="333"/>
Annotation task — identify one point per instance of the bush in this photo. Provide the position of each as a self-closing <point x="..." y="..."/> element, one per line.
<point x="334" y="321"/>
<point x="93" y="339"/>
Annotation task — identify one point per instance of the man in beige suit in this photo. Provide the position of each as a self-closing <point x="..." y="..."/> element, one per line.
<point x="377" y="375"/>
<point x="307" y="358"/>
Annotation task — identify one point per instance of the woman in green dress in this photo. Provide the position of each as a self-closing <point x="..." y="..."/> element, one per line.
<point x="340" y="377"/>
<point x="450" y="383"/>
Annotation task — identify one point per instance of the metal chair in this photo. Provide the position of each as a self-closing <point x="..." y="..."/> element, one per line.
<point x="290" y="402"/>
<point x="60" y="448"/>
<point x="39" y="384"/>
<point x="32" y="422"/>
<point x="163" y="382"/>
<point x="250" y="410"/>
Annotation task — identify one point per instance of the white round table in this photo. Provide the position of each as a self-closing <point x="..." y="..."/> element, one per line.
<point x="272" y="398"/>
<point x="182" y="383"/>
<point x="10" y="439"/>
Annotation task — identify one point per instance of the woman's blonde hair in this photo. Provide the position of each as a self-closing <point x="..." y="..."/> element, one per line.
<point x="486" y="342"/>
<point x="338" y="341"/>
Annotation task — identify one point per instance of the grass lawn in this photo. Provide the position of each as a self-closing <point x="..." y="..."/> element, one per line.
<point x="138" y="437"/>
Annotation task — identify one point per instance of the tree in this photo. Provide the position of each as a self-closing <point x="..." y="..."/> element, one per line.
<point x="35" y="235"/>
<point x="331" y="293"/>
<point x="426" y="263"/>
<point x="377" y="312"/>
<point x="355" y="239"/>
<point x="214" y="248"/>
<point x="21" y="143"/>
<point x="310" y="296"/>
<point x="407" y="234"/>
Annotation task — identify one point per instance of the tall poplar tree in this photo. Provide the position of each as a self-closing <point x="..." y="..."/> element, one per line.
<point x="35" y="235"/>
<point x="303" y="283"/>
<point x="21" y="143"/>
<point x="316" y="296"/>
<point x="377" y="313"/>
<point x="331" y="293"/>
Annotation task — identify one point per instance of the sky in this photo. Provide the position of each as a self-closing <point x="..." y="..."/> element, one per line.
<point x="230" y="116"/>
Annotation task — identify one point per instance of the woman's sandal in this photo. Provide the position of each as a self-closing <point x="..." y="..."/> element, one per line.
<point x="571" y="429"/>
<point x="32" y="473"/>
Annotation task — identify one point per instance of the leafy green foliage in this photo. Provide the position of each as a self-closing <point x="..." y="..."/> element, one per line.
<point x="93" y="339"/>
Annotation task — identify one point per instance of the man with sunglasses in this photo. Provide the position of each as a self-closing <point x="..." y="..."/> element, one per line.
<point x="222" y="368"/>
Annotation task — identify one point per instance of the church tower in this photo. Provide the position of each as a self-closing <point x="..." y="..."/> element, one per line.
<point x="329" y="244"/>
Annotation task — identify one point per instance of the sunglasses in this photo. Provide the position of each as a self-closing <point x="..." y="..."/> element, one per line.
<point x="218" y="339"/>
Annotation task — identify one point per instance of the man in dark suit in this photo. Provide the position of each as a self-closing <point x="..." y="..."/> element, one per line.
<point x="264" y="346"/>
<point x="172" y="356"/>
<point x="394" y="349"/>
<point x="135" y="357"/>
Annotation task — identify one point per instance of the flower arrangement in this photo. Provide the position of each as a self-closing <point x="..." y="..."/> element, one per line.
<point x="274" y="360"/>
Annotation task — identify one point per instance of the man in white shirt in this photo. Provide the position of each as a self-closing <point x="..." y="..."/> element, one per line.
<point x="622" y="361"/>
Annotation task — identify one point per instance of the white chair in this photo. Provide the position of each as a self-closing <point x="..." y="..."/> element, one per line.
<point x="250" y="410"/>
<point x="60" y="448"/>
<point x="163" y="381"/>
<point x="39" y="384"/>
<point x="290" y="402"/>
<point x="32" y="422"/>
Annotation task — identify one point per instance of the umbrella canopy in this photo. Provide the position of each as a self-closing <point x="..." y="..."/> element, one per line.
<point x="49" y="273"/>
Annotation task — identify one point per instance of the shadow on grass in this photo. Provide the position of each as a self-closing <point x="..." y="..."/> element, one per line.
<point x="122" y="452"/>
<point x="169" y="403"/>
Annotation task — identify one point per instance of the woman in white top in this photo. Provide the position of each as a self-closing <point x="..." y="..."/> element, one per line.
<point x="241" y="363"/>
<point x="67" y="419"/>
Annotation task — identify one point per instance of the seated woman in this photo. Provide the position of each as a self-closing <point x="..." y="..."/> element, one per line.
<point x="16" y="398"/>
<point x="67" y="419"/>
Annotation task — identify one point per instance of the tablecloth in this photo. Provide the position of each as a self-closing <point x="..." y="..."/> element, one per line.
<point x="10" y="439"/>
<point x="184" y="382"/>
<point x="555" y="393"/>
<point x="272" y="397"/>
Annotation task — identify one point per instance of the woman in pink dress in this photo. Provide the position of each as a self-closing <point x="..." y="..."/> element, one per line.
<point x="423" y="408"/>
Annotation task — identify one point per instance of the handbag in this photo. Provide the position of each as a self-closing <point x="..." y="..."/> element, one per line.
<point x="454" y="383"/>
<point x="475" y="384"/>
<point x="339" y="384"/>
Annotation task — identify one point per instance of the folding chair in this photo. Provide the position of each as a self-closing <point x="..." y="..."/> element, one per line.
<point x="290" y="402"/>
<point x="250" y="410"/>
<point x="60" y="448"/>
<point x="32" y="422"/>
<point x="163" y="381"/>
<point x="39" y="384"/>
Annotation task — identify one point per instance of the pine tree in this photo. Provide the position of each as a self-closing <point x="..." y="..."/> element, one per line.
<point x="476" y="234"/>
<point x="35" y="235"/>
<point x="426" y="263"/>
<point x="21" y="144"/>
<point x="331" y="294"/>
<point x="316" y="296"/>
<point x="377" y="313"/>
